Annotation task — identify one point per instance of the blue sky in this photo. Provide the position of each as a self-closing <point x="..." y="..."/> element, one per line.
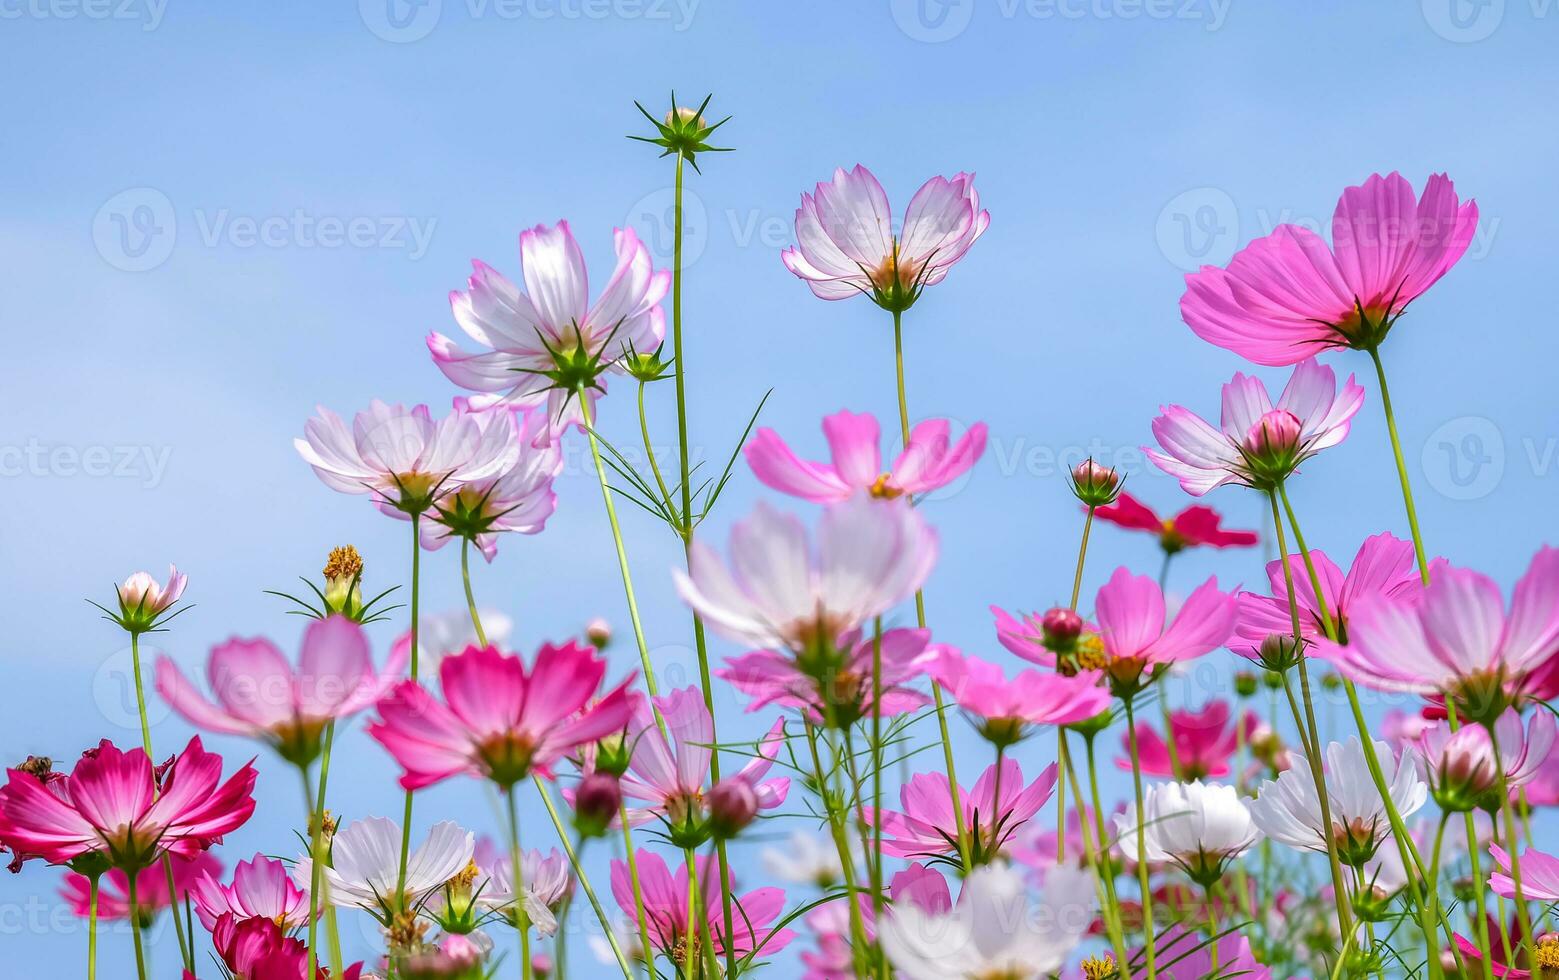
<point x="221" y="215"/>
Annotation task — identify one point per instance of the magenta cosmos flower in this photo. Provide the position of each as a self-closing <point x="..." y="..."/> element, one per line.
<point x="518" y="500"/>
<point x="1204" y="742"/>
<point x="929" y="462"/>
<point x="114" y="806"/>
<point x="1005" y="709"/>
<point x="845" y="696"/>
<point x="498" y="720"/>
<point x="1383" y="568"/>
<point x="259" y="695"/>
<point x="1454" y="637"/>
<point x="404" y="458"/>
<point x="151" y="889"/>
<point x="780" y="593"/>
<point x="550" y="338"/>
<point x="260" y="889"/>
<point x="924" y="830"/>
<point x="1196" y="526"/>
<point x="845" y="244"/>
<point x="1286" y="297"/>
<point x="1257" y="444"/>
<point x="668" y="776"/>
<point x="666" y="909"/>
<point x="258" y="949"/>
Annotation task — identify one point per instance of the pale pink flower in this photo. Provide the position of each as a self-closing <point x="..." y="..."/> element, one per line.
<point x="666" y="909"/>
<point x="1204" y="743"/>
<point x="1257" y="443"/>
<point x="929" y="462"/>
<point x="668" y="776"/>
<point x="1005" y="709"/>
<point x="1182" y="953"/>
<point x="404" y="458"/>
<point x="925" y="827"/>
<point x="498" y="720"/>
<point x="781" y="593"/>
<point x="1459" y="766"/>
<point x="143" y="600"/>
<point x="1522" y="753"/>
<point x="1454" y="636"/>
<point x="112" y="804"/>
<point x="845" y="695"/>
<point x="547" y="341"/>
<point x="1132" y="625"/>
<point x="1539" y="875"/>
<point x="1286" y="297"/>
<point x="259" y="695"/>
<point x="519" y="499"/>
<point x="1384" y="568"/>
<point x="261" y="888"/>
<point x="151" y="888"/>
<point x="846" y="245"/>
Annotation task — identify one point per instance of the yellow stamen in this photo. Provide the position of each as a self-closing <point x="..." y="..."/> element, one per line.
<point x="344" y="562"/>
<point x="883" y="489"/>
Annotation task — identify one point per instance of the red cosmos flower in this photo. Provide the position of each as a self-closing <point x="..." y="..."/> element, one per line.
<point x="1194" y="527"/>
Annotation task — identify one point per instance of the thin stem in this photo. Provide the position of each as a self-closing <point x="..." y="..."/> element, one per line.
<point x="92" y="886"/>
<point x="1212" y="931"/>
<point x="517" y="874"/>
<point x="638" y="894"/>
<point x="649" y="452"/>
<point x="701" y="911"/>
<point x="1480" y="922"/>
<point x="135" y="925"/>
<point x="465" y="579"/>
<point x="876" y="868"/>
<point x="1513" y="839"/>
<point x="583" y="879"/>
<point x="316" y="808"/>
<point x="416" y="622"/>
<point x="186" y="947"/>
<point x="1098" y="859"/>
<point x="1396" y="450"/>
<point x="1142" y="849"/>
<point x="842" y="845"/>
<point x="1061" y="749"/>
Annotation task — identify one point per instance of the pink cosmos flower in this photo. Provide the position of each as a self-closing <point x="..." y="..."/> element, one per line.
<point x="925" y="827"/>
<point x="258" y="949"/>
<point x="1256" y="443"/>
<point x="1032" y="635"/>
<point x="1539" y="875"/>
<point x="520" y="499"/>
<point x="151" y="889"/>
<point x="669" y="776"/>
<point x="845" y="696"/>
<point x="1184" y="954"/>
<point x="1132" y="633"/>
<point x="402" y="456"/>
<point x="112" y="804"/>
<point x="499" y="721"/>
<point x="259" y="695"/>
<point x="261" y="888"/>
<point x="846" y="246"/>
<point x="666" y="908"/>
<point x="143" y="600"/>
<point x="780" y="593"/>
<point x="549" y="340"/>
<point x="929" y="462"/>
<point x="1194" y="527"/>
<point x="1286" y="297"/>
<point x="1455" y="637"/>
<point x="1459" y="766"/>
<point x="1004" y="709"/>
<point x="1384" y="568"/>
<point x="1204" y="740"/>
<point x="1522" y="753"/>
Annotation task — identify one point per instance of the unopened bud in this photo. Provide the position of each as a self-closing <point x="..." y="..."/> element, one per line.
<point x="733" y="804"/>
<point x="597" y="802"/>
<point x="1279" y="653"/>
<point x="1245" y="683"/>
<point x="1061" y="627"/>
<point x="1094" y="484"/>
<point x="599" y="632"/>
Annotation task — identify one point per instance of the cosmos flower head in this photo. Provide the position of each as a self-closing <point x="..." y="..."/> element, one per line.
<point x="993" y="811"/>
<point x="1258" y="443"/>
<point x="1199" y="827"/>
<point x="846" y="246"/>
<point x="144" y="604"/>
<point x="1197" y="526"/>
<point x="845" y="696"/>
<point x="1288" y="296"/>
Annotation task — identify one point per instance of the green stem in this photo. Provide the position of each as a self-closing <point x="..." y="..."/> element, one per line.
<point x="584" y="880"/>
<point x="517" y="874"/>
<point x="316" y="824"/>
<point x="1142" y="850"/>
<point x="92" y="886"/>
<point x="1097" y="854"/>
<point x="1396" y="450"/>
<point x="135" y="925"/>
<point x="1212" y="931"/>
<point x="882" y="968"/>
<point x="416" y="622"/>
<point x="842" y="845"/>
<point x="1061" y="749"/>
<point x="1513" y="840"/>
<point x="465" y="579"/>
<point x="638" y="895"/>
<point x="964" y="845"/>
<point x="701" y="909"/>
<point x="649" y="454"/>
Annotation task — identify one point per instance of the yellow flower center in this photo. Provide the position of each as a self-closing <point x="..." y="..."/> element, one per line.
<point x="344" y="562"/>
<point x="883" y="489"/>
<point x="1099" y="967"/>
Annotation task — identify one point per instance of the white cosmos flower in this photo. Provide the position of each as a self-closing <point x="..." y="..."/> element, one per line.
<point x="547" y="881"/>
<point x="994" y="930"/>
<point x="366" y="857"/>
<point x="1199" y="826"/>
<point x="1288" y="810"/>
<point x="804" y="860"/>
